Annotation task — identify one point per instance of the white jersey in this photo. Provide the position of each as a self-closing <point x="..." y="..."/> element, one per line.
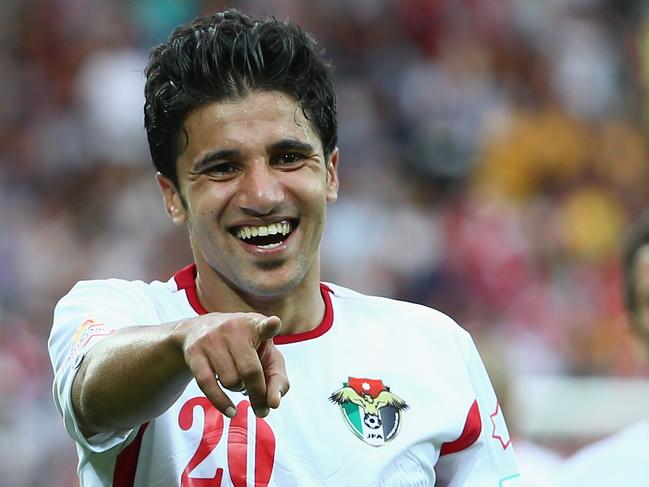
<point x="620" y="459"/>
<point x="383" y="393"/>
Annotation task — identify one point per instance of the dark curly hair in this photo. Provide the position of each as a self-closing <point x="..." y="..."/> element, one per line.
<point x="227" y="56"/>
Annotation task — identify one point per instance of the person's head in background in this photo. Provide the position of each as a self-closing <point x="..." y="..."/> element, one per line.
<point x="636" y="277"/>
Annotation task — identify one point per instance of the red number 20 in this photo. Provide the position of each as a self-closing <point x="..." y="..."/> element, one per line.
<point x="237" y="452"/>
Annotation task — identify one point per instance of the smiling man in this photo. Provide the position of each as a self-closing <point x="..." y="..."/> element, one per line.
<point x="171" y="383"/>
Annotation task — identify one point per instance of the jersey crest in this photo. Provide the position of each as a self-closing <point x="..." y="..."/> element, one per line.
<point x="371" y="411"/>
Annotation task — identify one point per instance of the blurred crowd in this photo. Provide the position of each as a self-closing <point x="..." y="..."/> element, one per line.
<point x="493" y="154"/>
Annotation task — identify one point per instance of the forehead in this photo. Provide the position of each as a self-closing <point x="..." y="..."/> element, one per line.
<point x="258" y="119"/>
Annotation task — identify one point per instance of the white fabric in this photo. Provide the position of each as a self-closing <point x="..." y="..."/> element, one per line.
<point x="538" y="465"/>
<point x="420" y="354"/>
<point x="620" y="459"/>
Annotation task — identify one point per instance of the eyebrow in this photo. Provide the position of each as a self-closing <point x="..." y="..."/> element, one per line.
<point x="290" y="144"/>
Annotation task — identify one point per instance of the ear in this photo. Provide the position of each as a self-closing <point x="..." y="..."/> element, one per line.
<point x="332" y="176"/>
<point x="173" y="201"/>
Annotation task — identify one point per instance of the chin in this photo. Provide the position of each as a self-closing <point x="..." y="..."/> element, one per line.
<point x="272" y="286"/>
<point x="270" y="265"/>
<point x="268" y="290"/>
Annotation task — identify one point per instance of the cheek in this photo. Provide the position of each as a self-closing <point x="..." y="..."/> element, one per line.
<point x="206" y="202"/>
<point x="312" y="190"/>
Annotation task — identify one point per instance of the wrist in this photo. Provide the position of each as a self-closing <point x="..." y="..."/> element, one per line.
<point x="176" y="339"/>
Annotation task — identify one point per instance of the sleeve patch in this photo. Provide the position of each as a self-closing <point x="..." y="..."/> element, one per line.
<point x="87" y="333"/>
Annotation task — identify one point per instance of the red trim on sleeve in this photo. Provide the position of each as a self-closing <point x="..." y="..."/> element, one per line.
<point x="469" y="435"/>
<point x="186" y="279"/>
<point x="126" y="463"/>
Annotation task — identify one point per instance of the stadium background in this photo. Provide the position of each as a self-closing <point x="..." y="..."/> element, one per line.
<point x="493" y="154"/>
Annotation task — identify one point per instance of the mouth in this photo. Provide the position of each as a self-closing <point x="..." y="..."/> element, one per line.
<point x="265" y="237"/>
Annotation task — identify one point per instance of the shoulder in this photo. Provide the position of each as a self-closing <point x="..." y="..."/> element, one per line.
<point x="105" y="299"/>
<point x="379" y="304"/>
<point x="95" y="307"/>
<point x="117" y="290"/>
<point x="391" y="310"/>
<point x="621" y="457"/>
<point x="616" y="445"/>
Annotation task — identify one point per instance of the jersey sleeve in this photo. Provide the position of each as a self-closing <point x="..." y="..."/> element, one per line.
<point x="90" y="312"/>
<point x="489" y="460"/>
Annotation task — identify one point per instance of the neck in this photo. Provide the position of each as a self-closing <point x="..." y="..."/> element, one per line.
<point x="301" y="309"/>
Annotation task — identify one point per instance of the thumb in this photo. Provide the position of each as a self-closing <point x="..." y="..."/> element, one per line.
<point x="267" y="328"/>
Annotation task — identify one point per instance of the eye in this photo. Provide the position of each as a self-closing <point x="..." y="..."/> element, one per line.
<point x="289" y="159"/>
<point x="222" y="170"/>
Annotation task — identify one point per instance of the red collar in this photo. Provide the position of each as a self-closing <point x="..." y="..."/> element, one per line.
<point x="186" y="279"/>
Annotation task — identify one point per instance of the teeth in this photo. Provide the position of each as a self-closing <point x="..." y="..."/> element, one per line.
<point x="270" y="246"/>
<point x="283" y="228"/>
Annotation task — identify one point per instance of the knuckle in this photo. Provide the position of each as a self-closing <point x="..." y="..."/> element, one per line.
<point x="228" y="324"/>
<point x="231" y="327"/>
<point x="230" y="382"/>
<point x="248" y="372"/>
<point x="254" y="318"/>
<point x="199" y="344"/>
<point x="203" y="378"/>
<point x="192" y="348"/>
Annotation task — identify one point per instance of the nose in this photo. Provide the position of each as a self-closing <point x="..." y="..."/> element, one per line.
<point x="260" y="192"/>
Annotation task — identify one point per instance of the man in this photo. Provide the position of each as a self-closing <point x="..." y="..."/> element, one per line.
<point x="172" y="383"/>
<point x="622" y="458"/>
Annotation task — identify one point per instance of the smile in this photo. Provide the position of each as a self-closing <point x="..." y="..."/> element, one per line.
<point x="265" y="236"/>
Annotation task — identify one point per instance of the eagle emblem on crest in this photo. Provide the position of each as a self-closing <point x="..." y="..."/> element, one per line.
<point x="370" y="409"/>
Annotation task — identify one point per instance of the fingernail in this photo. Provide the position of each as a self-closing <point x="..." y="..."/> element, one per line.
<point x="262" y="412"/>
<point x="230" y="412"/>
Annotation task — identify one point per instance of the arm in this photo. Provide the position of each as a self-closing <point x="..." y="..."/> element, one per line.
<point x="112" y="374"/>
<point x="136" y="373"/>
<point x="128" y="378"/>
